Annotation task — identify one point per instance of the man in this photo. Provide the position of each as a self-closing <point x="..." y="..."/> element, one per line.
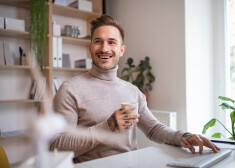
<point x="93" y="99"/>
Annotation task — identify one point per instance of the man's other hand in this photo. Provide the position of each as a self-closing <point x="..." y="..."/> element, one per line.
<point x="189" y="140"/>
<point x="121" y="119"/>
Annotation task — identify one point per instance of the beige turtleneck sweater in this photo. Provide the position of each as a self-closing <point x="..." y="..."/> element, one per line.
<point x="89" y="100"/>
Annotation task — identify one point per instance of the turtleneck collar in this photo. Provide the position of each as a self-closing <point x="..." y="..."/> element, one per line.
<point x="108" y="75"/>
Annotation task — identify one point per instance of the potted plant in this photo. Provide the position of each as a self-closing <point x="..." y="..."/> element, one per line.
<point x="139" y="75"/>
<point x="212" y="122"/>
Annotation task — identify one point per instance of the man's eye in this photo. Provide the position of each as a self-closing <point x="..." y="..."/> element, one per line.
<point x="112" y="42"/>
<point x="97" y="42"/>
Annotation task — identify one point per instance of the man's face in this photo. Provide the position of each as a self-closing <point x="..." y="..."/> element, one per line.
<point x="106" y="47"/>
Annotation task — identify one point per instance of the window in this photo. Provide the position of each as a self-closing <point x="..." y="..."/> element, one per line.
<point x="231" y="33"/>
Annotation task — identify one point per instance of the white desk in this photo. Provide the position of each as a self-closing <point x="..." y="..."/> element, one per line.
<point x="152" y="157"/>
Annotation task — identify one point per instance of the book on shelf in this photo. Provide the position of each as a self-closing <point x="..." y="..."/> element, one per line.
<point x="8" y="58"/>
<point x="33" y="90"/>
<point x="57" y="52"/>
<point x="2" y="59"/>
<point x="38" y="89"/>
<point x="1" y="22"/>
<point x="56" y="85"/>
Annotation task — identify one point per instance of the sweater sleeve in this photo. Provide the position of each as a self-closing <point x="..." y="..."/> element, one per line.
<point x="155" y="130"/>
<point x="80" y="142"/>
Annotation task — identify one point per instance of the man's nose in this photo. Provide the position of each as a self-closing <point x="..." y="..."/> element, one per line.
<point x="104" y="47"/>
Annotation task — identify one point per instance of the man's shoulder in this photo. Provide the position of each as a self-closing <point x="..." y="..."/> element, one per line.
<point x="127" y="84"/>
<point x="76" y="80"/>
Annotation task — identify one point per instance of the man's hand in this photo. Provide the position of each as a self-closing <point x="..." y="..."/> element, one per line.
<point x="189" y="140"/>
<point x="122" y="119"/>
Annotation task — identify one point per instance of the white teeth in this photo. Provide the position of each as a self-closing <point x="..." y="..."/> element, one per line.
<point x="105" y="57"/>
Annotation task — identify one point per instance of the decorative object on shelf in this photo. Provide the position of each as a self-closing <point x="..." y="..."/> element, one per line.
<point x="83" y="63"/>
<point x="71" y="31"/>
<point x="139" y="75"/>
<point x="225" y="106"/>
<point x="38" y="28"/>
<point x="23" y="59"/>
<point x="66" y="60"/>
<point x="82" y="5"/>
<point x="56" y="29"/>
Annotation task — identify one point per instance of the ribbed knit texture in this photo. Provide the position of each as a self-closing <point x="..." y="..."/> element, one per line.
<point x="89" y="100"/>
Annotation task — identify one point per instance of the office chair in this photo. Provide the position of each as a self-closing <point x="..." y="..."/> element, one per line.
<point x="3" y="159"/>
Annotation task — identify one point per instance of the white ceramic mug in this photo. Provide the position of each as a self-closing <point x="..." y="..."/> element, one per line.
<point x="135" y="104"/>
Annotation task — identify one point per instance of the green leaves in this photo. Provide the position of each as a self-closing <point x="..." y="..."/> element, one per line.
<point x="227" y="106"/>
<point x="140" y="75"/>
<point x="231" y="138"/>
<point x="38" y="28"/>
<point x="211" y="123"/>
<point x="226" y="99"/>
<point x="216" y="135"/>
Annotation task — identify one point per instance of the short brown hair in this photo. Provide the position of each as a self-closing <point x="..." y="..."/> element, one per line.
<point x="105" y="20"/>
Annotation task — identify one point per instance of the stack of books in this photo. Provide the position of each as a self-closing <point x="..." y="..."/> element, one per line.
<point x="61" y="2"/>
<point x="83" y="63"/>
<point x="14" y="24"/>
<point x="38" y="89"/>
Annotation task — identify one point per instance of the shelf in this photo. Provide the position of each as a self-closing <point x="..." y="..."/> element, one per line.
<point x="77" y="41"/>
<point x="17" y="3"/>
<point x="70" y="69"/>
<point x="20" y="101"/>
<point x="14" y="33"/>
<point x="23" y="67"/>
<point x="72" y="12"/>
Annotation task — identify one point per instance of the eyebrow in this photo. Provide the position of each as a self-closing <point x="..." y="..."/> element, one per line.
<point x="97" y="38"/>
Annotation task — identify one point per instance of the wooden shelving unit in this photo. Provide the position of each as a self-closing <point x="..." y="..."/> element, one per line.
<point x="48" y="68"/>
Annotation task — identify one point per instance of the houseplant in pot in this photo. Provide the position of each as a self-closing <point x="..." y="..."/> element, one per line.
<point x="213" y="121"/>
<point x="140" y="75"/>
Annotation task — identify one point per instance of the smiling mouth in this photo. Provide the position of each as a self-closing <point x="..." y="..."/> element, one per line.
<point x="104" y="56"/>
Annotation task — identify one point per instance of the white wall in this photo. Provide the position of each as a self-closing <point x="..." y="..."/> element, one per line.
<point x="205" y="61"/>
<point x="185" y="40"/>
<point x="155" y="28"/>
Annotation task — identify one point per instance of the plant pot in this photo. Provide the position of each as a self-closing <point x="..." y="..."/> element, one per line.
<point x="147" y="96"/>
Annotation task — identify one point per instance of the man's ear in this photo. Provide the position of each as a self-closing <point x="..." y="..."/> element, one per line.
<point x="123" y="48"/>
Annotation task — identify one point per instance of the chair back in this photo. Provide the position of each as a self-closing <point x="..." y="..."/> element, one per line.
<point x="3" y="159"/>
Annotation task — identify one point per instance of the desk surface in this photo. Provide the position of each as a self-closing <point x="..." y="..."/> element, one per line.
<point x="151" y="157"/>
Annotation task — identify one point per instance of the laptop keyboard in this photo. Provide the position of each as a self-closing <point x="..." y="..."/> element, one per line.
<point x="206" y="159"/>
